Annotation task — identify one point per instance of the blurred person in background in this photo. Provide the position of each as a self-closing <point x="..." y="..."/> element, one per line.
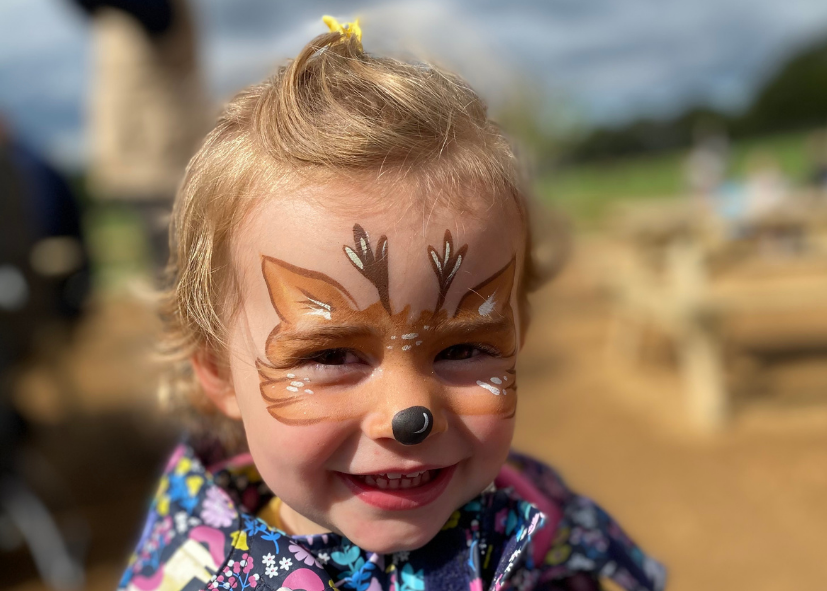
<point x="44" y="282"/>
<point x="767" y="188"/>
<point x="148" y="109"/>
<point x="706" y="164"/>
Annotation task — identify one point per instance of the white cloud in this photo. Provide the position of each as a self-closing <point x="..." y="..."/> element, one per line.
<point x="616" y="59"/>
<point x="43" y="69"/>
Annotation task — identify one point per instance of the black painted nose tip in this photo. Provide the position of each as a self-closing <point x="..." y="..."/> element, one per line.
<point x="412" y="425"/>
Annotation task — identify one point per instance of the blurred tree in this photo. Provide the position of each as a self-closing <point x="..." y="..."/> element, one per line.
<point x="793" y="97"/>
<point x="527" y="116"/>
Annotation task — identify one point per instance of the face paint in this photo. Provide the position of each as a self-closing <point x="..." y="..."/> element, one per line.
<point x="319" y="316"/>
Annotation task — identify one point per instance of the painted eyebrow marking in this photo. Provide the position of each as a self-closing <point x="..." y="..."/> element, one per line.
<point x="323" y="335"/>
<point x="475" y="324"/>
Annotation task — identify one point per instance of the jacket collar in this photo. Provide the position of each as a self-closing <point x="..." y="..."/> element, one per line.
<point x="194" y="508"/>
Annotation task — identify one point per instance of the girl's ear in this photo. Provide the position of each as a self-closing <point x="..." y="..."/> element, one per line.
<point x="215" y="381"/>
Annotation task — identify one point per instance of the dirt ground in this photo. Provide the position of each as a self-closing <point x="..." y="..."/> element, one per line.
<point x="745" y="508"/>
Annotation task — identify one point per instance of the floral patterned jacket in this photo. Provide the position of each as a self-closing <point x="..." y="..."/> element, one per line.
<point x="526" y="532"/>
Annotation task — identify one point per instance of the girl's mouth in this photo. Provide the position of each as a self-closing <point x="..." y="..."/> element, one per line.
<point x="396" y="480"/>
<point x="396" y="491"/>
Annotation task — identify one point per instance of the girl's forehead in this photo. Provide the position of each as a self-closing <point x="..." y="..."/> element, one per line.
<point x="346" y="246"/>
<point x="309" y="233"/>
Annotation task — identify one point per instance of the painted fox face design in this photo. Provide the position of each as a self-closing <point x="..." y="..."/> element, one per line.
<point x="322" y="326"/>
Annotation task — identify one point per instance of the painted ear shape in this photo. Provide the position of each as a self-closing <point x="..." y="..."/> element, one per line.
<point x="492" y="296"/>
<point x="297" y="292"/>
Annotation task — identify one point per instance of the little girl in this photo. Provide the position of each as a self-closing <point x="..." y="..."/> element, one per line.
<point x="349" y="284"/>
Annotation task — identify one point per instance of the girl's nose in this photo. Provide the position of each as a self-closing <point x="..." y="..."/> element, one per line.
<point x="412" y="425"/>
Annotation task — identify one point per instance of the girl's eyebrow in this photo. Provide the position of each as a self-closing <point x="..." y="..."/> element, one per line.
<point x="324" y="334"/>
<point x="483" y="323"/>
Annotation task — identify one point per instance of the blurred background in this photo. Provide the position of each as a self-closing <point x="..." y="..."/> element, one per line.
<point x="676" y="370"/>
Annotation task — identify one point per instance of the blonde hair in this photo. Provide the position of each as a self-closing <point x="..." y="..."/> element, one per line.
<point x="334" y="110"/>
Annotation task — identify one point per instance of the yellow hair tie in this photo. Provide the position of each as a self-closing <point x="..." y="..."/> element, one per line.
<point x="348" y="29"/>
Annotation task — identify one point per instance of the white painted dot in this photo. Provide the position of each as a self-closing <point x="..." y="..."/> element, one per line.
<point x="418" y="343"/>
<point x="493" y="389"/>
<point x="426" y="327"/>
<point x="306" y="379"/>
<point x="292" y="388"/>
<point x="406" y="347"/>
<point x="410" y="336"/>
<point x="505" y="378"/>
<point x="497" y="381"/>
<point x="393" y="337"/>
<point x="297" y="384"/>
<point x="291" y="375"/>
<point x="389" y="347"/>
<point x="308" y="391"/>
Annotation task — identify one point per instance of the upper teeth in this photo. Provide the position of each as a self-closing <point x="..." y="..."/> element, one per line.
<point x="396" y="480"/>
<point x="398" y="475"/>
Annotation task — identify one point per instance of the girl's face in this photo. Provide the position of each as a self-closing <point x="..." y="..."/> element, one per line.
<point x="360" y="334"/>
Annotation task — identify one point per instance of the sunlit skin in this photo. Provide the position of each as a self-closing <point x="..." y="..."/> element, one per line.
<point x="338" y="381"/>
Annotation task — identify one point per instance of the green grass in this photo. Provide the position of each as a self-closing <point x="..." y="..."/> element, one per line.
<point x="589" y="191"/>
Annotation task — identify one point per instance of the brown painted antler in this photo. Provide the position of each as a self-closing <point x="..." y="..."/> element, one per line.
<point x="446" y="266"/>
<point x="374" y="269"/>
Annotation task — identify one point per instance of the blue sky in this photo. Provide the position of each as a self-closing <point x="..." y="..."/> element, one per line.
<point x="598" y="61"/>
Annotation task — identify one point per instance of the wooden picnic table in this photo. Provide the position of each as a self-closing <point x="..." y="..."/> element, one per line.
<point x="713" y="295"/>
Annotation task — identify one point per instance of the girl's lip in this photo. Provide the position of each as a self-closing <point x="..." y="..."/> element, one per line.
<point x="400" y="499"/>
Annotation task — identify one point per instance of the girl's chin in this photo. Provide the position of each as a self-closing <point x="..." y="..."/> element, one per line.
<point x="383" y="538"/>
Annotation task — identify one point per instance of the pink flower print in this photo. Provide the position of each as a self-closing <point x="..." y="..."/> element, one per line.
<point x="163" y="530"/>
<point x="225" y="581"/>
<point x="238" y="571"/>
<point x="218" y="508"/>
<point x="303" y="555"/>
<point x="246" y="563"/>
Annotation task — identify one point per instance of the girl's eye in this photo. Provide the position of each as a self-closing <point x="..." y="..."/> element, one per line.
<point x="334" y="357"/>
<point x="462" y="352"/>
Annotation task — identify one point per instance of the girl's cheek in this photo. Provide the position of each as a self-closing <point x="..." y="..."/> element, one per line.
<point x="490" y="431"/>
